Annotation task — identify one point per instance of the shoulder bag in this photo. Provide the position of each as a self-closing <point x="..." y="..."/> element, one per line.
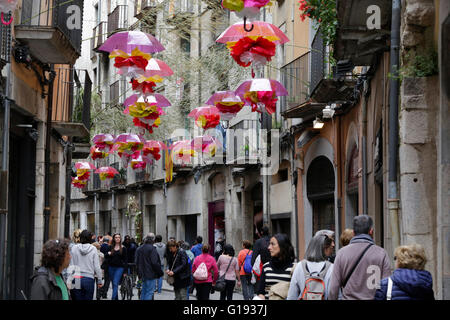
<point x="171" y="279"/>
<point x="220" y="283"/>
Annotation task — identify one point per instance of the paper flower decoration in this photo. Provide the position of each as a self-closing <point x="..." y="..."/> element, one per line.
<point x="130" y="65"/>
<point x="96" y="153"/>
<point x="151" y="150"/>
<point x="145" y="87"/>
<point x="249" y="51"/>
<point x="77" y="183"/>
<point x="248" y="8"/>
<point x="103" y="141"/>
<point x="138" y="164"/>
<point x="261" y="93"/>
<point x="206" y="117"/>
<point x="106" y="173"/>
<point x="227" y="102"/>
<point x="141" y="123"/>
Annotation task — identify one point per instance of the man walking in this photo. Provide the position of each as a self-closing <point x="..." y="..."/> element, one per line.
<point x="359" y="266"/>
<point x="197" y="248"/>
<point x="148" y="266"/>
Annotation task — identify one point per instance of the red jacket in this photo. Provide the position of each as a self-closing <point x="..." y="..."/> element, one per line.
<point x="210" y="265"/>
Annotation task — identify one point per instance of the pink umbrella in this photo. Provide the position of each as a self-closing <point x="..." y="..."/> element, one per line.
<point x="151" y="150"/>
<point x="259" y="93"/>
<point x="206" y="116"/>
<point x="245" y="8"/>
<point x="127" y="41"/>
<point x="156" y="67"/>
<point x="206" y="144"/>
<point x="96" y="153"/>
<point x="106" y="173"/>
<point x="84" y="165"/>
<point x="182" y="151"/>
<point x="156" y="99"/>
<point x="227" y="102"/>
<point x="128" y="143"/>
<point x="260" y="29"/>
<point x="138" y="164"/>
<point x="103" y="141"/>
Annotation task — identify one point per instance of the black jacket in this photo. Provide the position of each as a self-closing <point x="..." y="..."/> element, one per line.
<point x="261" y="247"/>
<point x="181" y="268"/>
<point x="148" y="263"/>
<point x="116" y="259"/>
<point x="44" y="287"/>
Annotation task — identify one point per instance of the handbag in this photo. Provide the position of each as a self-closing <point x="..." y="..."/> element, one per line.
<point x="220" y="283"/>
<point x="171" y="279"/>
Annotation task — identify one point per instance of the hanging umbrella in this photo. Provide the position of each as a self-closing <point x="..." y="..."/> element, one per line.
<point x="106" y="173"/>
<point x="127" y="41"/>
<point x="83" y="169"/>
<point x="156" y="67"/>
<point x="138" y="164"/>
<point x="206" y="144"/>
<point x="245" y="8"/>
<point x="103" y="141"/>
<point x="153" y="99"/>
<point x="263" y="29"/>
<point x="77" y="183"/>
<point x="151" y="150"/>
<point x="206" y="116"/>
<point x="227" y="102"/>
<point x="182" y="152"/>
<point x="259" y="93"/>
<point x="128" y="143"/>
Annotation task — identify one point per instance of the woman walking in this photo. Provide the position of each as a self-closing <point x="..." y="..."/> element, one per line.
<point x="203" y="278"/>
<point x="47" y="282"/>
<point x="177" y="262"/>
<point x="315" y="263"/>
<point x="246" y="278"/>
<point x="228" y="265"/>
<point x="117" y="263"/>
<point x="279" y="269"/>
<point x="409" y="281"/>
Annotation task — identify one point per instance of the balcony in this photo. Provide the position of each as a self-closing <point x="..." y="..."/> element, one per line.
<point x="295" y="78"/>
<point x="144" y="176"/>
<point x="179" y="12"/>
<point x="120" y="180"/>
<point x="243" y="143"/>
<point x="72" y="107"/>
<point x="117" y="92"/>
<point x="118" y="19"/>
<point x="99" y="36"/>
<point x="354" y="40"/>
<point x="142" y="7"/>
<point x="51" y="29"/>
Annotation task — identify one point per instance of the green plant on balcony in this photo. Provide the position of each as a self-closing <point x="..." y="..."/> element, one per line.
<point x="324" y="13"/>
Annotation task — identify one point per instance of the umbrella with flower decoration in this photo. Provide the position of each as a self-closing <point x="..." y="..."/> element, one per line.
<point x="151" y="150"/>
<point x="103" y="141"/>
<point x="206" y="116"/>
<point x="255" y="47"/>
<point x="106" y="173"/>
<point x="138" y="164"/>
<point x="127" y="41"/>
<point x="77" y="183"/>
<point x="128" y="143"/>
<point x="83" y="169"/>
<point x="96" y="153"/>
<point x="5" y="7"/>
<point x="182" y="152"/>
<point x="227" y="102"/>
<point x="206" y="144"/>
<point x="259" y="93"/>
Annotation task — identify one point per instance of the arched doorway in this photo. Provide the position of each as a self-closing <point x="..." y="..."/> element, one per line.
<point x="320" y="183"/>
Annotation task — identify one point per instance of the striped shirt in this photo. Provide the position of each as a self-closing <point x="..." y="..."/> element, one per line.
<point x="272" y="275"/>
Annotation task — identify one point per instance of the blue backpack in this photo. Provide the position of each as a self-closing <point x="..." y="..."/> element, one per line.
<point x="248" y="263"/>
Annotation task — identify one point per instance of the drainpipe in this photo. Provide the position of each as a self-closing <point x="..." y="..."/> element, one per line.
<point x="4" y="179"/>
<point x="294" y="173"/>
<point x="47" y="155"/>
<point x="68" y="147"/>
<point x="393" y="201"/>
<point x="364" y="149"/>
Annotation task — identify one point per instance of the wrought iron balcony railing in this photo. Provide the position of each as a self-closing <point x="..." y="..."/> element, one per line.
<point x="295" y="78"/>
<point x="99" y="35"/>
<point x="118" y="19"/>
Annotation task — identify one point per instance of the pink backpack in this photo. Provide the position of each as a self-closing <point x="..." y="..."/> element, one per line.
<point x="201" y="274"/>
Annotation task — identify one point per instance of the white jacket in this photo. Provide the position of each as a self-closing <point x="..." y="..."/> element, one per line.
<point x="85" y="262"/>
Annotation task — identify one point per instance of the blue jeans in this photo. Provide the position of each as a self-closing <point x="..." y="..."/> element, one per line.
<point x="86" y="290"/>
<point x="247" y="287"/>
<point x="148" y="289"/>
<point x="115" y="273"/>
<point x="159" y="286"/>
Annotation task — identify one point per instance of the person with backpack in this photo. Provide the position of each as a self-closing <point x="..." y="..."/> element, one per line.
<point x="185" y="247"/>
<point x="161" y="249"/>
<point x="228" y="267"/>
<point x="359" y="266"/>
<point x="311" y="278"/>
<point x="197" y="248"/>
<point x="245" y="263"/>
<point x="276" y="274"/>
<point x="205" y="273"/>
<point x="409" y="281"/>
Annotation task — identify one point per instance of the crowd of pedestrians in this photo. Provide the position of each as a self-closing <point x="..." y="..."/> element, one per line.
<point x="359" y="270"/>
